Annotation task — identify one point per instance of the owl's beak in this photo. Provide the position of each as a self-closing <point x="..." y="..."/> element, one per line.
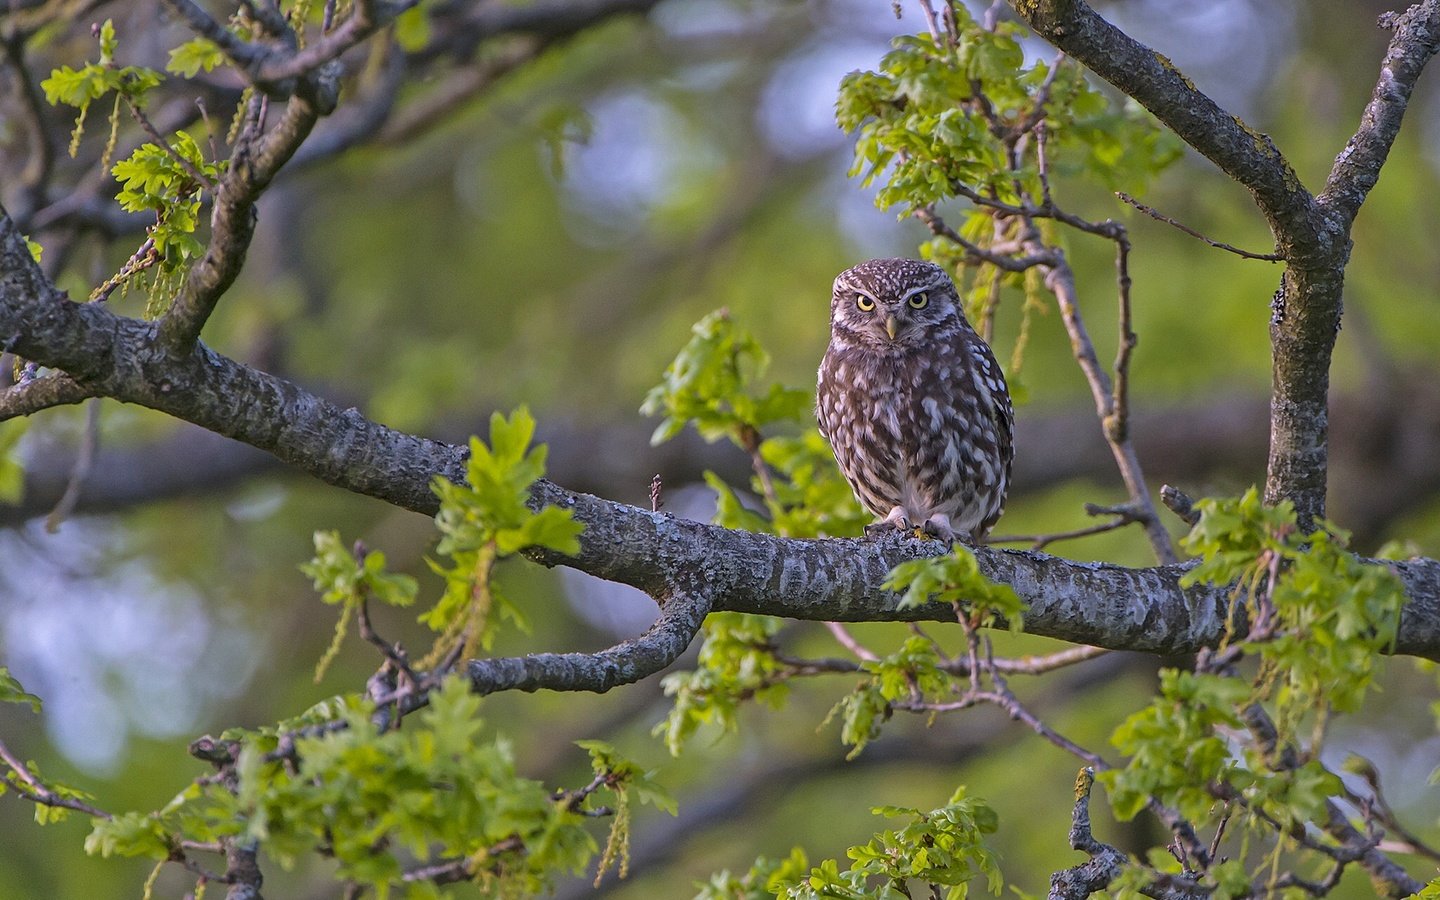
<point x="891" y="326"/>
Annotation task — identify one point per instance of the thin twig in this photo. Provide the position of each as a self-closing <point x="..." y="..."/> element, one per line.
<point x="845" y="639"/>
<point x="149" y="127"/>
<point x="1178" y="502"/>
<point x="1041" y="541"/>
<point x="930" y="20"/>
<point x="1039" y="665"/>
<point x="1219" y="245"/>
<point x="1117" y="424"/>
<point x="34" y="790"/>
<point x="84" y="462"/>
<point x="974" y="252"/>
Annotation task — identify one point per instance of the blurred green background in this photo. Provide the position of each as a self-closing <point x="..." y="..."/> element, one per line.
<point x="551" y="246"/>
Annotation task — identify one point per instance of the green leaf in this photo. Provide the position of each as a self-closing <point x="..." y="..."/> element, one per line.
<point x="956" y="578"/>
<point x="130" y="834"/>
<point x="736" y="663"/>
<point x="944" y="847"/>
<point x="710" y="384"/>
<point x="12" y="692"/>
<point x="1175" y="747"/>
<point x="196" y="55"/>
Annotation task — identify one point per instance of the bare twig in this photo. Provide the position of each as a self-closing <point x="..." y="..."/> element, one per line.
<point x="1061" y="282"/>
<point x="1041" y="541"/>
<point x="847" y="640"/>
<point x="84" y="460"/>
<point x="33" y="789"/>
<point x="1219" y="245"/>
<point x="973" y="251"/>
<point x="1178" y="502"/>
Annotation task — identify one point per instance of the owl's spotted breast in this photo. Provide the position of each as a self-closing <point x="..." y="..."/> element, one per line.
<point x="913" y="402"/>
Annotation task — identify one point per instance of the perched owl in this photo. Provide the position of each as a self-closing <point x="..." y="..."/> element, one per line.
<point x="913" y="403"/>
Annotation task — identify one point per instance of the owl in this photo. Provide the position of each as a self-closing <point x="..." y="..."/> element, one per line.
<point x="913" y="403"/>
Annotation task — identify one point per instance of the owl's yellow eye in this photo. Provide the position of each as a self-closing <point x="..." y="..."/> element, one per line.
<point x="918" y="301"/>
<point x="864" y="303"/>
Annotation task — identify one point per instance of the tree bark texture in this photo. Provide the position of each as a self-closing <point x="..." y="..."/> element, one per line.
<point x="823" y="580"/>
<point x="1312" y="233"/>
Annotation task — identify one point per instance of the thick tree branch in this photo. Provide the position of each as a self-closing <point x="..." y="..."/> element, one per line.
<point x="1415" y="41"/>
<point x="827" y="580"/>
<point x="1380" y="449"/>
<point x="1311" y="234"/>
<point x="682" y="613"/>
<point x="1244" y="154"/>
<point x="43" y="392"/>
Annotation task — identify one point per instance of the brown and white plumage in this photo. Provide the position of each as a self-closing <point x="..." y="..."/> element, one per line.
<point x="913" y="402"/>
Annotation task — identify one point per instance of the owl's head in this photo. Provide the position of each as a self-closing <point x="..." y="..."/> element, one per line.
<point x="893" y="304"/>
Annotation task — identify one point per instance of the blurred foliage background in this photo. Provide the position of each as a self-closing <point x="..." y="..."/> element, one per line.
<point x="552" y="246"/>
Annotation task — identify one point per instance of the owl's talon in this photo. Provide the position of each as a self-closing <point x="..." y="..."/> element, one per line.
<point x="938" y="530"/>
<point x="886" y="527"/>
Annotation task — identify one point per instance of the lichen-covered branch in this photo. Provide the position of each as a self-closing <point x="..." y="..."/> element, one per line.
<point x="1105" y="863"/>
<point x="826" y="580"/>
<point x="1415" y="41"/>
<point x="681" y="615"/>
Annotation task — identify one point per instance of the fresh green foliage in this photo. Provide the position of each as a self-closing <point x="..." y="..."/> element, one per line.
<point x="493" y="506"/>
<point x="913" y="671"/>
<point x="437" y="789"/>
<point x="130" y="834"/>
<point x="942" y="848"/>
<point x="764" y="880"/>
<point x="28" y="773"/>
<point x="736" y="664"/>
<point x="1325" y="614"/>
<point x="922" y="126"/>
<point x="622" y="778"/>
<point x="489" y="519"/>
<point x="12" y="471"/>
<point x="81" y="87"/>
<point x="1317" y="618"/>
<point x="164" y="181"/>
<point x="956" y="579"/>
<point x="22" y="778"/>
<point x="193" y="57"/>
<point x="716" y="383"/>
<point x="1175" y="753"/>
<point x="344" y="577"/>
<point x="809" y="497"/>
<point x="350" y="579"/>
<point x="11" y="691"/>
<point x="710" y="383"/>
